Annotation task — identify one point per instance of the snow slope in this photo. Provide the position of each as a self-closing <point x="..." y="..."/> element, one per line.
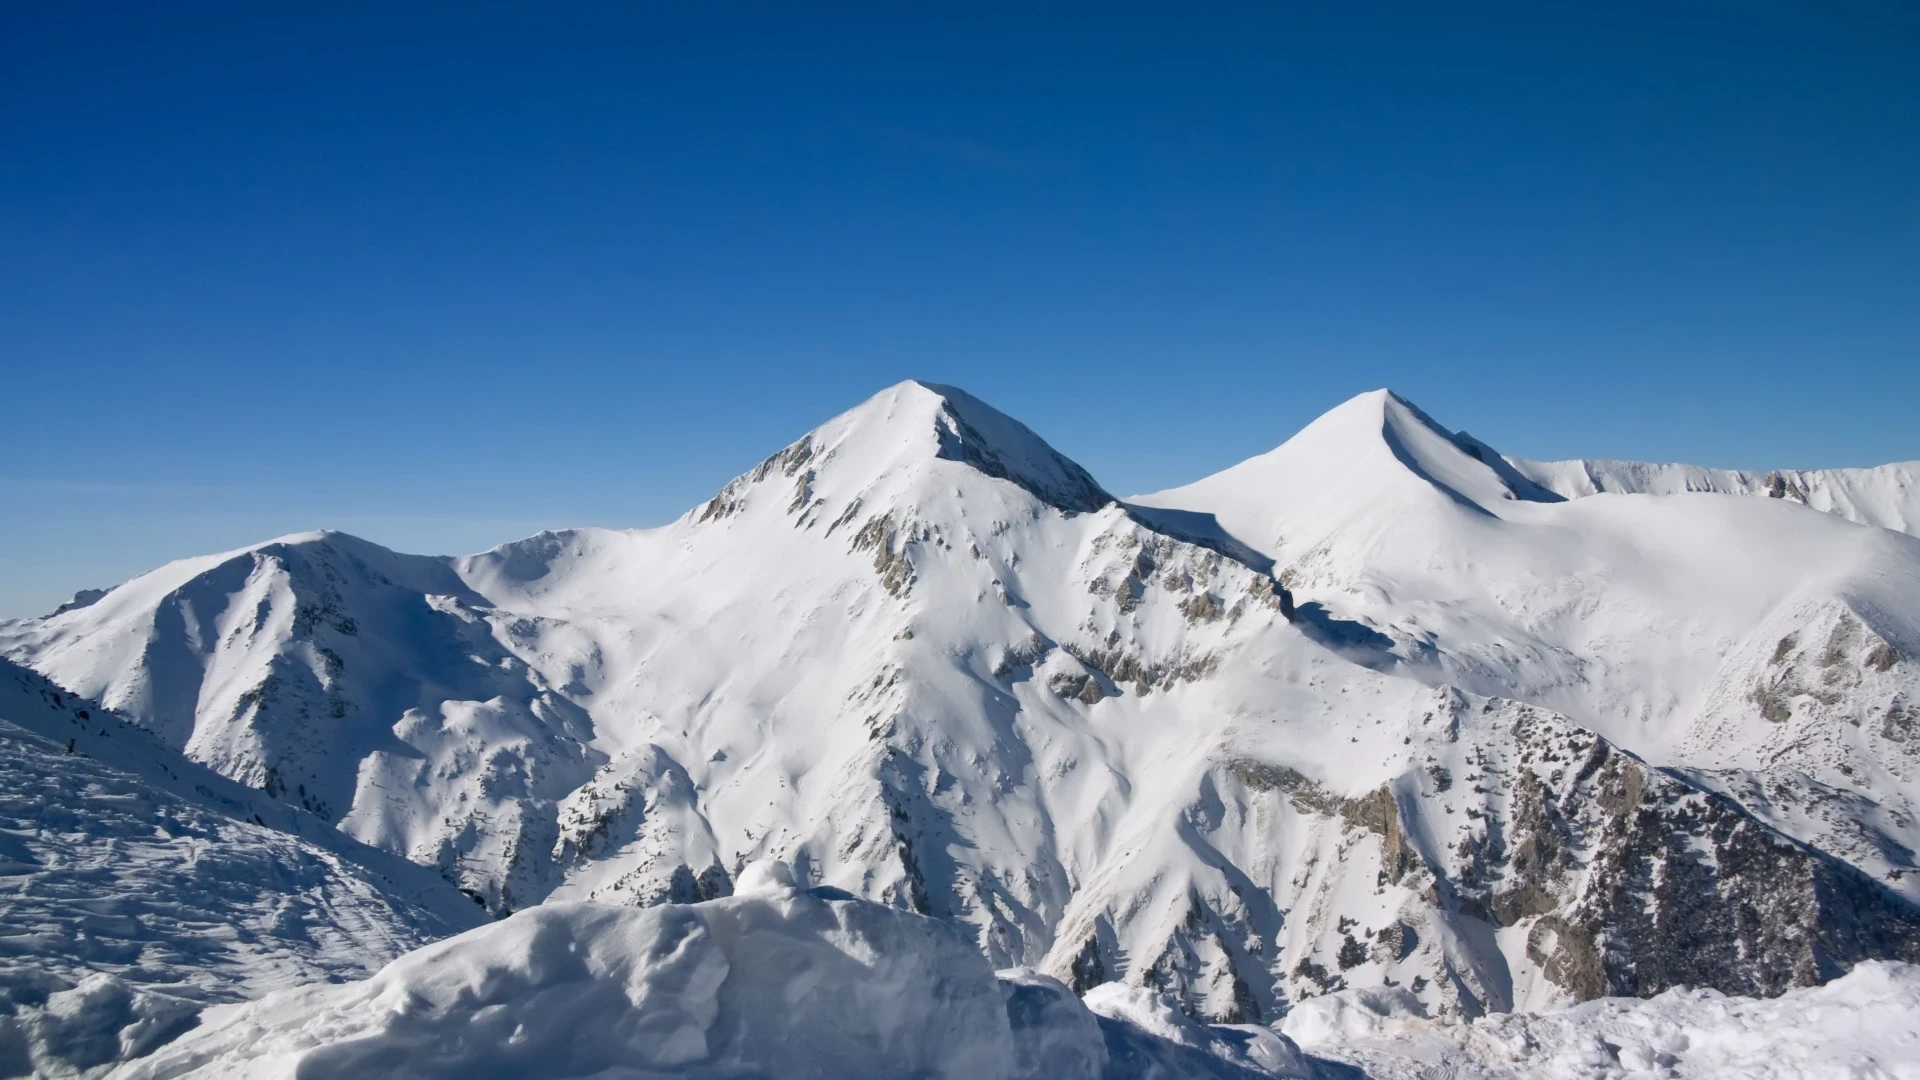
<point x="812" y="983"/>
<point x="136" y="886"/>
<point x="1500" y="748"/>
<point x="1613" y="609"/>
<point x="1763" y="647"/>
<point x="1887" y="495"/>
<point x="1860" y="1025"/>
<point x="782" y="982"/>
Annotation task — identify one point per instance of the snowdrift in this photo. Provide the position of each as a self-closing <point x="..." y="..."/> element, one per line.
<point x="779" y="982"/>
<point x="791" y="983"/>
<point x="137" y="887"/>
<point x="1864" y="1024"/>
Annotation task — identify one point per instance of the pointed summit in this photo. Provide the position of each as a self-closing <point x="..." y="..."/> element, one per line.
<point x="894" y="436"/>
<point x="1441" y="456"/>
<point x="1372" y="447"/>
<point x="975" y="433"/>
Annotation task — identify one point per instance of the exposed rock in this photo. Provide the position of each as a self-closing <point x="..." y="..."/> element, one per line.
<point x="1026" y="654"/>
<point x="1629" y="880"/>
<point x="83" y="598"/>
<point x="889" y="549"/>
<point x="1054" y="480"/>
<point x="1077" y="685"/>
<point x="787" y="462"/>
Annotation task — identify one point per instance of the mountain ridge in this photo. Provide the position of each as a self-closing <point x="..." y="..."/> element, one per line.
<point x="1374" y="705"/>
<point x="1884" y="495"/>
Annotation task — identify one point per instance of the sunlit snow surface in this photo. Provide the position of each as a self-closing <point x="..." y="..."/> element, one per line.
<point x="1885" y="495"/>
<point x="1862" y="1026"/>
<point x="137" y="886"/>
<point x="1508" y="739"/>
<point x="792" y="983"/>
<point x="778" y="982"/>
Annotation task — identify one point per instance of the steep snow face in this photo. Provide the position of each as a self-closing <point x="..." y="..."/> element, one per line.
<point x="926" y="660"/>
<point x="140" y="886"/>
<point x="1859" y="1025"/>
<point x="781" y="983"/>
<point x="1886" y="495"/>
<point x="1375" y="451"/>
<point x="895" y="441"/>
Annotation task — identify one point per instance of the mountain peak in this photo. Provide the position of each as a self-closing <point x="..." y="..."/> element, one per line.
<point x="974" y="433"/>
<point x="899" y="431"/>
<point x="1382" y="425"/>
<point x="1366" y="455"/>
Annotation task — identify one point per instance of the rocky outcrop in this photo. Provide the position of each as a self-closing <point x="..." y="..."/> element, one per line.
<point x="1656" y="884"/>
<point x="1044" y="474"/>
<point x="790" y="462"/>
<point x="1624" y="879"/>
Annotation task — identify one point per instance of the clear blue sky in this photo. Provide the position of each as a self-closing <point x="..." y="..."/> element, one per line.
<point x="445" y="274"/>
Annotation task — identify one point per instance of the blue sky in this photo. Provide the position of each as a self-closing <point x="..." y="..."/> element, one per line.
<point x="442" y="275"/>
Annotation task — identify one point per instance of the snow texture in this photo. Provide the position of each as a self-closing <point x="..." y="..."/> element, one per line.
<point x="1863" y="1025"/>
<point x="1886" y="495"/>
<point x="811" y="983"/>
<point x="1379" y="708"/>
<point x="136" y="886"/>
<point x="782" y="982"/>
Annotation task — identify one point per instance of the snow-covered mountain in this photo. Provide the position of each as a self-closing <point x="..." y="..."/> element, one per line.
<point x="1755" y="646"/>
<point x="1886" y="495"/>
<point x="1378" y="707"/>
<point x="1856" y="1026"/>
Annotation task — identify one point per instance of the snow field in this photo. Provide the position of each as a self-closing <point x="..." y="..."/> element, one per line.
<point x="780" y="982"/>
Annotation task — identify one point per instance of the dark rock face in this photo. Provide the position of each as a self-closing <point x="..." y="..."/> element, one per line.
<point x="1628" y="880"/>
<point x="1683" y="887"/>
<point x="687" y="887"/>
<point x="889" y="548"/>
<point x="1087" y="971"/>
<point x="1644" y="882"/>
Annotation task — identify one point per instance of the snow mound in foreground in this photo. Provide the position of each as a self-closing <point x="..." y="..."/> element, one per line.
<point x="784" y="982"/>
<point x="1864" y="1024"/>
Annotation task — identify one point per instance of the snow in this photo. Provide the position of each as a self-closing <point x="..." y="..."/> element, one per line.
<point x="921" y="658"/>
<point x="1887" y="495"/>
<point x="1865" y="1024"/>
<point x="1652" y="620"/>
<point x="136" y="886"/>
<point x="1146" y="1036"/>
<point x="811" y="983"/>
<point x="784" y="982"/>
